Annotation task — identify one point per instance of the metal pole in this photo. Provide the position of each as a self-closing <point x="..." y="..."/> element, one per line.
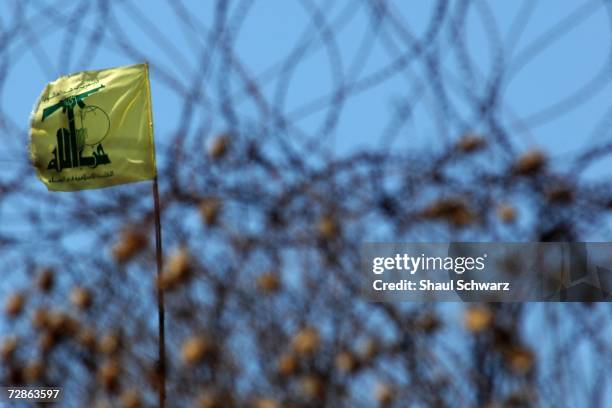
<point x="160" y="300"/>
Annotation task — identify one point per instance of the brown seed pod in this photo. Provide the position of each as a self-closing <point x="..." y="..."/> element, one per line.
<point x="55" y="321"/>
<point x="218" y="146"/>
<point x="560" y="194"/>
<point x="108" y="374"/>
<point x="477" y="318"/>
<point x="14" y="304"/>
<point x="530" y="163"/>
<point x="81" y="297"/>
<point x="47" y="341"/>
<point x="196" y="349"/>
<point x="33" y="371"/>
<point x="471" y="143"/>
<point x="306" y="341"/>
<point x="210" y="207"/>
<point x="428" y="323"/>
<point x="312" y="386"/>
<point x="130" y="243"/>
<point x="368" y="350"/>
<point x="87" y="338"/>
<point x="268" y="282"/>
<point x="8" y="348"/>
<point x="46" y="280"/>
<point x="287" y="364"/>
<point x="60" y="323"/>
<point x="211" y="398"/>
<point x="39" y="318"/>
<point x="327" y="227"/>
<point x="176" y="270"/>
<point x="345" y="362"/>
<point x="207" y="399"/>
<point x="266" y="403"/>
<point x="453" y="210"/>
<point x="520" y="360"/>
<point x="384" y="394"/>
<point x="130" y="399"/>
<point x="519" y="398"/>
<point x="506" y="213"/>
<point x="109" y="343"/>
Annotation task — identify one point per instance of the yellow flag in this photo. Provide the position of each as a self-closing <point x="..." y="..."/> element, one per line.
<point x="94" y="129"/>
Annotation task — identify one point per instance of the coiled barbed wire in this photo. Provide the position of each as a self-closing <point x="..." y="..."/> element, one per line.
<point x="267" y="194"/>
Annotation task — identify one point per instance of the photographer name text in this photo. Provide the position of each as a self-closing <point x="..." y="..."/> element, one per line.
<point x="413" y="264"/>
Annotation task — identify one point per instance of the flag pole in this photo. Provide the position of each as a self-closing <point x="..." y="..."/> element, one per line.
<point x="160" y="300"/>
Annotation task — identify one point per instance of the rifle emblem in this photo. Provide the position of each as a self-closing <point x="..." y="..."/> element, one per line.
<point x="71" y="142"/>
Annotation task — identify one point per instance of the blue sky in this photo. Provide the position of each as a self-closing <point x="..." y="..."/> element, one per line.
<point x="271" y="29"/>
